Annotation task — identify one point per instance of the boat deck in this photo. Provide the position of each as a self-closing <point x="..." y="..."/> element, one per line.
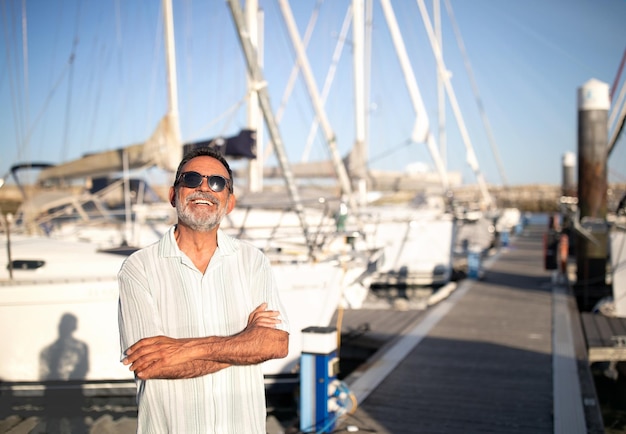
<point x="504" y="354"/>
<point x="605" y="336"/>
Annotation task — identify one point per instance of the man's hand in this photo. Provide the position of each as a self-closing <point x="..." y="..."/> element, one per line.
<point x="260" y="317"/>
<point x="158" y="357"/>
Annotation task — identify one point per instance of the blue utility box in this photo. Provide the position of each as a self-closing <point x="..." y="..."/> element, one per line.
<point x="474" y="265"/>
<point x="504" y="238"/>
<point x="319" y="366"/>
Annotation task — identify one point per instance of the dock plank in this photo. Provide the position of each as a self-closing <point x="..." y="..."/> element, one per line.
<point x="486" y="365"/>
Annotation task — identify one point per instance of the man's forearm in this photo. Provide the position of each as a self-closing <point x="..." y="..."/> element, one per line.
<point x="192" y="369"/>
<point x="164" y="357"/>
<point x="249" y="347"/>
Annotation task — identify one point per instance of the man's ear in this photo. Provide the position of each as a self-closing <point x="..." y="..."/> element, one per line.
<point x="173" y="197"/>
<point x="232" y="200"/>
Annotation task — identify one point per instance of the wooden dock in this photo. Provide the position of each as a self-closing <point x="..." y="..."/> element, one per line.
<point x="504" y="354"/>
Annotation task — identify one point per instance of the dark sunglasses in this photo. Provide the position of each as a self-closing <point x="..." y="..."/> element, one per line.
<point x="216" y="183"/>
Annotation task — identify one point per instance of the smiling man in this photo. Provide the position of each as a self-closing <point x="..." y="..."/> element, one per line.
<point x="198" y="312"/>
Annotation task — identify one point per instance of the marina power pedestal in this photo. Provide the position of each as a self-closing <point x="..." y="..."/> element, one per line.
<point x="504" y="238"/>
<point x="474" y="263"/>
<point x="319" y="366"/>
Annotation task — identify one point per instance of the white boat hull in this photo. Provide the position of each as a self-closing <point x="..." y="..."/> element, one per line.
<point x="79" y="284"/>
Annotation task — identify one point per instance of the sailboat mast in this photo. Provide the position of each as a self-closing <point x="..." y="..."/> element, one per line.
<point x="173" y="123"/>
<point x="270" y="120"/>
<point x="421" y="131"/>
<point x="253" y="17"/>
<point x="170" y="59"/>
<point x="367" y="67"/>
<point x="471" y="155"/>
<point x="441" y="94"/>
<point x="357" y="168"/>
<point x="331" y="139"/>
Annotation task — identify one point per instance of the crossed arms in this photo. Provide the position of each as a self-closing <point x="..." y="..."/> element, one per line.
<point x="169" y="358"/>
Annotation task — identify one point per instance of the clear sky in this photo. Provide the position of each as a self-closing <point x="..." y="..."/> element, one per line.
<point x="78" y="77"/>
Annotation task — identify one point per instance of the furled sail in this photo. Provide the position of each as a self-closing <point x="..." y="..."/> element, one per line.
<point x="163" y="149"/>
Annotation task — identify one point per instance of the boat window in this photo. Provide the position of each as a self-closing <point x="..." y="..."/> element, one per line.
<point x="121" y="250"/>
<point x="27" y="264"/>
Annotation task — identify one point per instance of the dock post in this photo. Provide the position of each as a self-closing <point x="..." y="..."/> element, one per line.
<point x="568" y="183"/>
<point x="550" y="243"/>
<point x="569" y="199"/>
<point x="591" y="251"/>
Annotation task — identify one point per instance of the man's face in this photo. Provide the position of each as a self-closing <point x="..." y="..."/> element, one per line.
<point x="201" y="208"/>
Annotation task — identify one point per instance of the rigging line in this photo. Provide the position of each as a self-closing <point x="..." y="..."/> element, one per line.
<point x="615" y="104"/>
<point x="110" y="64"/>
<point x="230" y="112"/>
<point x="390" y="151"/>
<point x="295" y="70"/>
<point x="479" y="101"/>
<point x="103" y="62"/>
<point x="617" y="76"/>
<point x="158" y="44"/>
<point x="618" y="130"/>
<point x="70" y="83"/>
<point x="617" y="174"/>
<point x="619" y="126"/>
<point x="328" y="83"/>
<point x="47" y="101"/>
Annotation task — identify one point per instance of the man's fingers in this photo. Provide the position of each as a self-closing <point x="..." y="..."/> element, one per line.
<point x="270" y="324"/>
<point x="152" y="370"/>
<point x="136" y="353"/>
<point x="150" y="350"/>
<point x="266" y="318"/>
<point x="142" y="362"/>
<point x="142" y="344"/>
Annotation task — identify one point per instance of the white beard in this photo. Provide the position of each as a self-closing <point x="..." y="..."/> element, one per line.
<point x="201" y="221"/>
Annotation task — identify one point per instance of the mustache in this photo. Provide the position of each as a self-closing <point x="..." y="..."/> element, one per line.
<point x="204" y="196"/>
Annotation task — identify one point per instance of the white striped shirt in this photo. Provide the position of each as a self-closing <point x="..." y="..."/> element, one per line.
<point x="163" y="293"/>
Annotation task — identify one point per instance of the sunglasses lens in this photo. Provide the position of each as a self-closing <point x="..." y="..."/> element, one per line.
<point x="191" y="179"/>
<point x="217" y="183"/>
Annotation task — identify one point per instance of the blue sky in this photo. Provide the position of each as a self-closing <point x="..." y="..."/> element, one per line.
<point x="91" y="77"/>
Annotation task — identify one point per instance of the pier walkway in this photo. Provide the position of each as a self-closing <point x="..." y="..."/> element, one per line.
<point x="504" y="354"/>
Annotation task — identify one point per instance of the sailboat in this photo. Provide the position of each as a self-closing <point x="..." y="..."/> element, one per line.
<point x="58" y="297"/>
<point x="404" y="231"/>
<point x="57" y="292"/>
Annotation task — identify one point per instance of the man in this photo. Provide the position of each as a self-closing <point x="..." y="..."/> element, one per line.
<point x="198" y="312"/>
